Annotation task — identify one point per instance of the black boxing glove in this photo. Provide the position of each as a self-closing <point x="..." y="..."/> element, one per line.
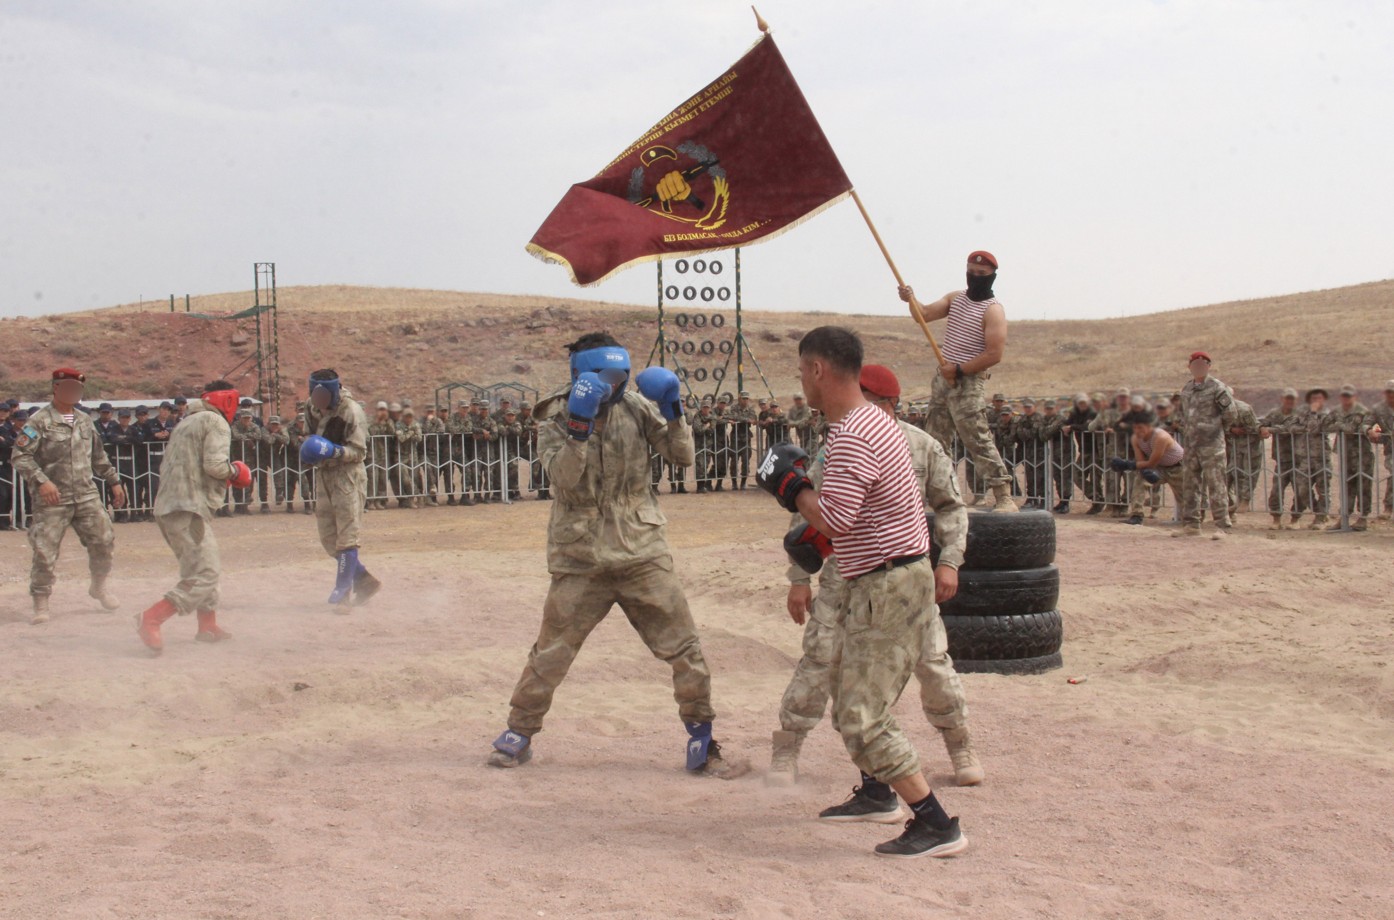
<point x="783" y="472"/>
<point x="807" y="547"/>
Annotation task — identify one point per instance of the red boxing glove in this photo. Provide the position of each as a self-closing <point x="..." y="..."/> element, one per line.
<point x="242" y="475"/>
<point x="807" y="547"/>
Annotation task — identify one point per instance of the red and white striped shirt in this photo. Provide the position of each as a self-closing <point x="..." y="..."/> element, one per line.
<point x="870" y="493"/>
<point x="964" y="338"/>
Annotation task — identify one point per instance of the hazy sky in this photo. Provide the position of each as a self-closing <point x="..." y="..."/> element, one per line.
<point x="1118" y="156"/>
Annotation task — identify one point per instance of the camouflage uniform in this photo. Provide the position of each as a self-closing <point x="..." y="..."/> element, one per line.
<point x="409" y="438"/>
<point x="1030" y="436"/>
<point x="49" y="449"/>
<point x="743" y="420"/>
<point x="437" y="453"/>
<point x="247" y="437"/>
<point x="484" y="435"/>
<point x="461" y="431"/>
<point x="194" y="477"/>
<point x="704" y="438"/>
<point x="798" y="417"/>
<point x="342" y="483"/>
<point x="1104" y="432"/>
<point x="722" y="429"/>
<point x="1383" y="415"/>
<point x="304" y="475"/>
<point x="1314" y="475"/>
<point x="281" y="468"/>
<point x="941" y="693"/>
<point x="382" y="439"/>
<point x="1208" y="409"/>
<point x="959" y="408"/>
<point x="1357" y="454"/>
<point x="1062" y="455"/>
<point x="605" y="546"/>
<point x="511" y="440"/>
<point x="1244" y="456"/>
<point x="1004" y="437"/>
<point x="1289" y="455"/>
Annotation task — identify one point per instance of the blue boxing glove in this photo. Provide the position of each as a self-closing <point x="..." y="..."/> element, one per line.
<point x="1121" y="465"/>
<point x="317" y="449"/>
<point x="661" y="385"/>
<point x="1151" y="476"/>
<point x="588" y="393"/>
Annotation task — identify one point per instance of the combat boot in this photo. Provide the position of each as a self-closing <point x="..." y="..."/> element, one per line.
<point x="784" y="762"/>
<point x="1292" y="522"/>
<point x="40" y="614"/>
<point x="968" y="771"/>
<point x="208" y="629"/>
<point x="1277" y="522"/>
<point x="1002" y="499"/>
<point x="98" y="592"/>
<point x="1318" y="522"/>
<point x="1360" y="523"/>
<point x="148" y="624"/>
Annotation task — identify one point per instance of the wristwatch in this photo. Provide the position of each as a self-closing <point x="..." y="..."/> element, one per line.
<point x="958" y="370"/>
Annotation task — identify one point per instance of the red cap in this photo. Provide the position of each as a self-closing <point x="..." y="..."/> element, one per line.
<point x="1199" y="354"/>
<point x="982" y="255"/>
<point x="879" y="380"/>
<point x="67" y="373"/>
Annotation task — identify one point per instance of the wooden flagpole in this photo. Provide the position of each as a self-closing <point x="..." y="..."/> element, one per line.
<point x="914" y="306"/>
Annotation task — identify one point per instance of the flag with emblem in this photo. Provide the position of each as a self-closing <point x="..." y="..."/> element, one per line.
<point x="739" y="162"/>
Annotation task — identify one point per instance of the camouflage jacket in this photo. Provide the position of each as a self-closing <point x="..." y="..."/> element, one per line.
<point x="1383" y="416"/>
<point x="1351" y="428"/>
<point x="347" y="426"/>
<point x="606" y="516"/>
<point x="48" y="449"/>
<point x="798" y="417"/>
<point x="197" y="464"/>
<point x="1207" y="409"/>
<point x="1244" y="443"/>
<point x="1288" y="443"/>
<point x="935" y="470"/>
<point x="409" y="438"/>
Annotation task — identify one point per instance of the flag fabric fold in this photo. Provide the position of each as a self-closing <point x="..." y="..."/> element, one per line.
<point x="738" y="163"/>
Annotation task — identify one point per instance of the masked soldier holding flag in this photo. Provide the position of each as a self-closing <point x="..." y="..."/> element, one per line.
<point x="196" y="473"/>
<point x="606" y="543"/>
<point x="336" y="450"/>
<point x="58" y="451"/>
<point x="973" y="344"/>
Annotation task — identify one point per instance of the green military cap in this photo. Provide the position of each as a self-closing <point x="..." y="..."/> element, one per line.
<point x="1347" y="390"/>
<point x="799" y="397"/>
<point x="774" y="403"/>
<point x="525" y="405"/>
<point x="274" y="420"/>
<point x="395" y="407"/>
<point x="1291" y="393"/>
<point x="745" y="394"/>
<point x="482" y="402"/>
<point x="724" y="397"/>
<point x="1028" y="401"/>
<point x="382" y="404"/>
<point x="999" y="396"/>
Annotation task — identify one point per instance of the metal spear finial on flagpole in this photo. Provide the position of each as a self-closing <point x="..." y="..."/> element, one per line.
<point x="760" y="23"/>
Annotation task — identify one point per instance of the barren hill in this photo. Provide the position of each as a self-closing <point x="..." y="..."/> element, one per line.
<point x="391" y="342"/>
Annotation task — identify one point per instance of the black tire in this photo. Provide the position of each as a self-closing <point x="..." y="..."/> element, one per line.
<point x="990" y="638"/>
<point x="1025" y="540"/>
<point x="1011" y="665"/>
<point x="1004" y="591"/>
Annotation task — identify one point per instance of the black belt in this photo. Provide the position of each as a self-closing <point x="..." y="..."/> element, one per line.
<point x="897" y="562"/>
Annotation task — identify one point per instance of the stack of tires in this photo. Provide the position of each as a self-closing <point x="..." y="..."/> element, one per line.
<point x="1004" y="619"/>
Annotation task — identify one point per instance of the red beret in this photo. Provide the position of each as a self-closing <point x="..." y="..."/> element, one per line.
<point x="67" y="373"/>
<point x="982" y="255"/>
<point x="1199" y="354"/>
<point x="879" y="380"/>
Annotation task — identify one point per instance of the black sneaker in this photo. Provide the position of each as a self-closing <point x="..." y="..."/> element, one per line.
<point x="1062" y="508"/>
<point x="920" y="839"/>
<point x="862" y="807"/>
<point x="1135" y="519"/>
<point x="1095" y="508"/>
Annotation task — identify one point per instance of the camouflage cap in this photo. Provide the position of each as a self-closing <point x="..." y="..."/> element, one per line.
<point x="724" y="398"/>
<point x="1347" y="390"/>
<point x="241" y="413"/>
<point x="274" y="420"/>
<point x="1097" y="397"/>
<point x="525" y="405"/>
<point x="395" y="407"/>
<point x="382" y="404"/>
<point x="999" y="397"/>
<point x="745" y="394"/>
<point x="1138" y="401"/>
<point x="408" y="410"/>
<point x="1291" y="392"/>
<point x="1123" y="391"/>
<point x="406" y="404"/>
<point x="482" y="403"/>
<point x="799" y="397"/>
<point x="1389" y="386"/>
<point x="774" y="404"/>
<point x="1081" y="397"/>
<point x="1028" y="401"/>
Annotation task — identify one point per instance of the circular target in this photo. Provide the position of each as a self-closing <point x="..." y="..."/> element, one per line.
<point x="715" y="267"/>
<point x="699" y="266"/>
<point x="689" y="347"/>
<point x="689" y="293"/>
<point x="723" y="294"/>
<point x="681" y="266"/>
<point x="707" y="347"/>
<point x="673" y="345"/>
<point x="718" y="374"/>
<point x="725" y="347"/>
<point x="718" y="320"/>
<point x="671" y="292"/>
<point x="707" y="295"/>
<point x="680" y="320"/>
<point x="700" y="374"/>
<point x="698" y="320"/>
<point x="682" y="373"/>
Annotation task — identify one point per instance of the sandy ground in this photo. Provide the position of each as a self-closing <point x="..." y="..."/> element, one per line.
<point x="1231" y="754"/>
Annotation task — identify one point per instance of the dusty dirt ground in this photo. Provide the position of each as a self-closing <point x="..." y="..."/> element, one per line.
<point x="1231" y="754"/>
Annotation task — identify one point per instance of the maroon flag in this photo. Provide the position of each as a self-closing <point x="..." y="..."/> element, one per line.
<point x="742" y="161"/>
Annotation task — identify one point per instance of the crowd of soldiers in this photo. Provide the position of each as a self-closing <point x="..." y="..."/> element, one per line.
<point x="1054" y="448"/>
<point x="1063" y="445"/>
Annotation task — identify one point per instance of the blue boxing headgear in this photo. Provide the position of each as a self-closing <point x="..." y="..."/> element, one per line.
<point x="324" y="382"/>
<point x="609" y="362"/>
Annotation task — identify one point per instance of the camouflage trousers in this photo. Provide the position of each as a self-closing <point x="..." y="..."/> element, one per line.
<point x="1143" y="494"/>
<point x="961" y="408"/>
<point x="806" y="698"/>
<point x="1243" y="479"/>
<point x="653" y="601"/>
<point x="339" y="506"/>
<point x="1203" y="471"/>
<point x="191" y="538"/>
<point x="874" y="654"/>
<point x="1286" y="475"/>
<point x="89" y="519"/>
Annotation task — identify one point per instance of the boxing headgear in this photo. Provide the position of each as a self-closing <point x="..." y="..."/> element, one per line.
<point x="609" y="362"/>
<point x="328" y="382"/>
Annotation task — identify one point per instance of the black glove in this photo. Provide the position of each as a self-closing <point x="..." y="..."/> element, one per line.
<point x="783" y="474"/>
<point x="807" y="547"/>
<point x="1151" y="476"/>
<point x="1121" y="465"/>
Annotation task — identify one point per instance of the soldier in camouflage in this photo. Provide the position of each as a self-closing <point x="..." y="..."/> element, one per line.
<point x="1382" y="433"/>
<point x="1315" y="472"/>
<point x="1244" y="450"/>
<point x="1349" y="423"/>
<point x="1208" y="409"/>
<point x="1289" y="455"/>
<point x="382" y="436"/>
